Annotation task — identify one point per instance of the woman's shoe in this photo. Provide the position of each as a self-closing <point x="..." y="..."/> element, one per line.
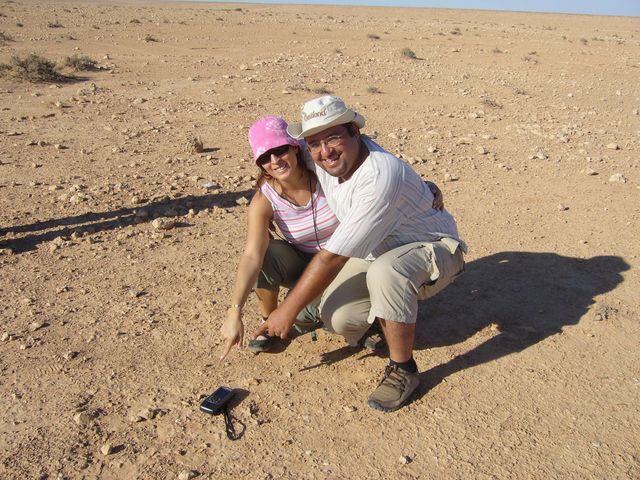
<point x="262" y="343"/>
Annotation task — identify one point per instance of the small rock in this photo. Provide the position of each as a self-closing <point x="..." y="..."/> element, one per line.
<point x="349" y="408"/>
<point x="482" y="150"/>
<point x="603" y="312"/>
<point x="106" y="449"/>
<point x="194" y="145"/>
<point x="187" y="474"/>
<point x="450" y="177"/>
<point x="77" y="198"/>
<point x="589" y="171"/>
<point x="540" y="155"/>
<point x="82" y="418"/>
<point x="164" y="223"/>
<point x="617" y="178"/>
<point x="147" y="413"/>
<point x="6" y="251"/>
<point x="37" y="325"/>
<point x="70" y="355"/>
<point x="210" y="185"/>
<point x="242" y="201"/>
<point x="405" y="459"/>
<point x="613" y="146"/>
<point x="562" y="207"/>
<point x="5" y="336"/>
<point x="432" y="149"/>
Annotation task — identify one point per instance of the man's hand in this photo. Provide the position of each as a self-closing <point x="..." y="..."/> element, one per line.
<point x="438" y="198"/>
<point x="232" y="331"/>
<point x="278" y="324"/>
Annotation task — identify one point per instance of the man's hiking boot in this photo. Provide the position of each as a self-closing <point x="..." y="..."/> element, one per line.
<point x="394" y="389"/>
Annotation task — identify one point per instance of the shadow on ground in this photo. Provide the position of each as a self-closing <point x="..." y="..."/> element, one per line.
<point x="95" y="222"/>
<point x="527" y="296"/>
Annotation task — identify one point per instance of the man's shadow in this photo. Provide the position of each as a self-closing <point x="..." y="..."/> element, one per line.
<point x="520" y="298"/>
<point x="91" y="222"/>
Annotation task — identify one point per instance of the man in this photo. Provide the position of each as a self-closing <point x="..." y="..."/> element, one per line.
<point x="390" y="250"/>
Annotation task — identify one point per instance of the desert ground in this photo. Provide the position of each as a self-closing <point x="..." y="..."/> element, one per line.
<point x="120" y="234"/>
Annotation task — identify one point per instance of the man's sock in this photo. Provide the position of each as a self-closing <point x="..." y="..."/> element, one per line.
<point x="408" y="366"/>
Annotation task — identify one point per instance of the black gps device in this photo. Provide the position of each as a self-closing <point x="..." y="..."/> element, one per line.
<point x="215" y="402"/>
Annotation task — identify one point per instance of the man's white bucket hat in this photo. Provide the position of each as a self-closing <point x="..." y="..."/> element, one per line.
<point x="322" y="113"/>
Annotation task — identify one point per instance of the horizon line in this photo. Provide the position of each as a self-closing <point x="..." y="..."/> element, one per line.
<point x="386" y="4"/>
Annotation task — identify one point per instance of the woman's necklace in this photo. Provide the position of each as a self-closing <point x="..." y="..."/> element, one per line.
<point x="313" y="213"/>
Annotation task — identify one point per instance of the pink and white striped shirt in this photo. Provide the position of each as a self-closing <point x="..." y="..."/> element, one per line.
<point x="307" y="227"/>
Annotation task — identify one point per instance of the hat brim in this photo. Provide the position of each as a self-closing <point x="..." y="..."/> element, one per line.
<point x="296" y="131"/>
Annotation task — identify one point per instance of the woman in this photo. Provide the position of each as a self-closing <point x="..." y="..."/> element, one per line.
<point x="289" y="194"/>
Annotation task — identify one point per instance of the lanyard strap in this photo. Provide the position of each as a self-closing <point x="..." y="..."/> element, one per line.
<point x="228" y="425"/>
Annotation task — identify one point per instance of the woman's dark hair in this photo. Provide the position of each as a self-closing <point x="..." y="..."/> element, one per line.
<point x="264" y="176"/>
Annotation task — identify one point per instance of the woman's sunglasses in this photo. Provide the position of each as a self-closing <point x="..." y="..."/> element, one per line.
<point x="278" y="152"/>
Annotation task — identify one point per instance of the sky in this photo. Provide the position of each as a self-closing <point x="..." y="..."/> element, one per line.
<point x="591" y="7"/>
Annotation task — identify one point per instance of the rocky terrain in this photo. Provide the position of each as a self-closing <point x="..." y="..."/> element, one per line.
<point x="124" y="180"/>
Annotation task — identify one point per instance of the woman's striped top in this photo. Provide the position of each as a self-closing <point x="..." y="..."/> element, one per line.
<point x="307" y="227"/>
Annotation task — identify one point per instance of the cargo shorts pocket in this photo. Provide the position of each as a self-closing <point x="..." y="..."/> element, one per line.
<point x="445" y="267"/>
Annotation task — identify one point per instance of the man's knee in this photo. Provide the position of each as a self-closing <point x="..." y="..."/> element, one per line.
<point x="348" y="319"/>
<point x="336" y="316"/>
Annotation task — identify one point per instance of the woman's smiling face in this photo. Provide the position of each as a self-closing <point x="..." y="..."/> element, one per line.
<point x="280" y="162"/>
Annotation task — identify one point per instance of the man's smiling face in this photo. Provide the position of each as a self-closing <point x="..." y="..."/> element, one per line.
<point x="336" y="150"/>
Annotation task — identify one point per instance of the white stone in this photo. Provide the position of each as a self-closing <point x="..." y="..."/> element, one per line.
<point x="210" y="185"/>
<point x="187" y="475"/>
<point x="163" y="223"/>
<point x="82" y="418"/>
<point x="617" y="178"/>
<point x="106" y="449"/>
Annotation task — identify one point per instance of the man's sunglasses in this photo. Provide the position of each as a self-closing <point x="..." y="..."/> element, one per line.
<point x="278" y="152"/>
